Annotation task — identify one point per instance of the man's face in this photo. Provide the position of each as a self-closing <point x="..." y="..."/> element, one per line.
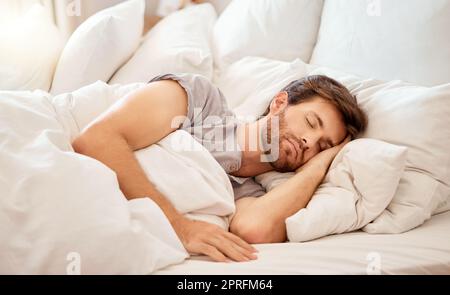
<point x="305" y="130"/>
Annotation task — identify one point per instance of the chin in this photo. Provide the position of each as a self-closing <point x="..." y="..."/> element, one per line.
<point x="281" y="165"/>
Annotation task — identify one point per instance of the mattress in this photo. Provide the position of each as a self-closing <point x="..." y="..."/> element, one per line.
<point x="423" y="250"/>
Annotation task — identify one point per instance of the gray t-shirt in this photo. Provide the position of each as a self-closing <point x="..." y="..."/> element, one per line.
<point x="213" y="124"/>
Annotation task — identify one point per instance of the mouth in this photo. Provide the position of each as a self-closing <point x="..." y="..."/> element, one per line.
<point x="297" y="147"/>
<point x="291" y="147"/>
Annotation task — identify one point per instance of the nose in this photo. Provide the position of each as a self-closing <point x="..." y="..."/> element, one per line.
<point x="305" y="144"/>
<point x="310" y="140"/>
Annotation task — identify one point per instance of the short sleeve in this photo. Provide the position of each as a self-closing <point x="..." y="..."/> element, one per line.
<point x="248" y="188"/>
<point x="204" y="98"/>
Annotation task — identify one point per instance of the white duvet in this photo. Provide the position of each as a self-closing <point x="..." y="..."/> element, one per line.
<point x="63" y="213"/>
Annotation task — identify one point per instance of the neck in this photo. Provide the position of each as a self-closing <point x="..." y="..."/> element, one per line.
<point x="249" y="138"/>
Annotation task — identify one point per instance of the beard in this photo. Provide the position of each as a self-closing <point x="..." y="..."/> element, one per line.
<point x="280" y="162"/>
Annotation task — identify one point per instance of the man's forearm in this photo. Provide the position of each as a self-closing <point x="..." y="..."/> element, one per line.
<point x="292" y="195"/>
<point x="262" y="220"/>
<point x="114" y="152"/>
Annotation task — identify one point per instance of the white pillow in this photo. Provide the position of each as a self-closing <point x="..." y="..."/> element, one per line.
<point x="250" y="83"/>
<point x="29" y="50"/>
<point x="359" y="185"/>
<point x="402" y="39"/>
<point x="99" y="46"/>
<point x="282" y="29"/>
<point x="179" y="43"/>
<point x="399" y="113"/>
<point x="416" y="117"/>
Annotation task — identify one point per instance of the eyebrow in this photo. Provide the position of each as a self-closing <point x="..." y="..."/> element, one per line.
<point x="329" y="142"/>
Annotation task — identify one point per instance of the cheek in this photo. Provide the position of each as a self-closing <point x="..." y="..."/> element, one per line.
<point x="295" y="123"/>
<point x="284" y="151"/>
<point x="298" y="129"/>
<point x="283" y="148"/>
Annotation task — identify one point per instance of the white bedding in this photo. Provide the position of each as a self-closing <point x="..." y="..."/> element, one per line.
<point x="424" y="250"/>
<point x="63" y="213"/>
<point x="50" y="198"/>
<point x="41" y="177"/>
<point x="55" y="203"/>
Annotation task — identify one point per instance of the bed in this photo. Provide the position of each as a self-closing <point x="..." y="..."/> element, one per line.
<point x="424" y="250"/>
<point x="49" y="223"/>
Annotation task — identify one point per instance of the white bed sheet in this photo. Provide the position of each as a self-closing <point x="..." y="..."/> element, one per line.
<point x="423" y="250"/>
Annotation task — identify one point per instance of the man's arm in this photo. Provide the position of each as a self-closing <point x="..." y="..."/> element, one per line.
<point x="262" y="220"/>
<point x="135" y="122"/>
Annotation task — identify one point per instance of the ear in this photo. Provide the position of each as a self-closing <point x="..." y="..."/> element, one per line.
<point x="278" y="104"/>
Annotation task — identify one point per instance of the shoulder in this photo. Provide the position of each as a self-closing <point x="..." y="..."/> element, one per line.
<point x="202" y="94"/>
<point x="193" y="83"/>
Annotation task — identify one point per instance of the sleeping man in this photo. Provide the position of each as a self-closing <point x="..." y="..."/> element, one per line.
<point x="304" y="127"/>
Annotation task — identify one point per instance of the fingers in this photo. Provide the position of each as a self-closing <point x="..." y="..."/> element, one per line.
<point x="346" y="140"/>
<point x="248" y="253"/>
<point x="230" y="249"/>
<point x="338" y="147"/>
<point x="213" y="253"/>
<point x="211" y="240"/>
<point x="237" y="240"/>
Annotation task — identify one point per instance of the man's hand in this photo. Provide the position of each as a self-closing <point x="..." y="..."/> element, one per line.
<point x="200" y="237"/>
<point x="325" y="158"/>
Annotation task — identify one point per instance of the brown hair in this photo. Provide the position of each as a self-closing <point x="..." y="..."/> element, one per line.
<point x="332" y="91"/>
